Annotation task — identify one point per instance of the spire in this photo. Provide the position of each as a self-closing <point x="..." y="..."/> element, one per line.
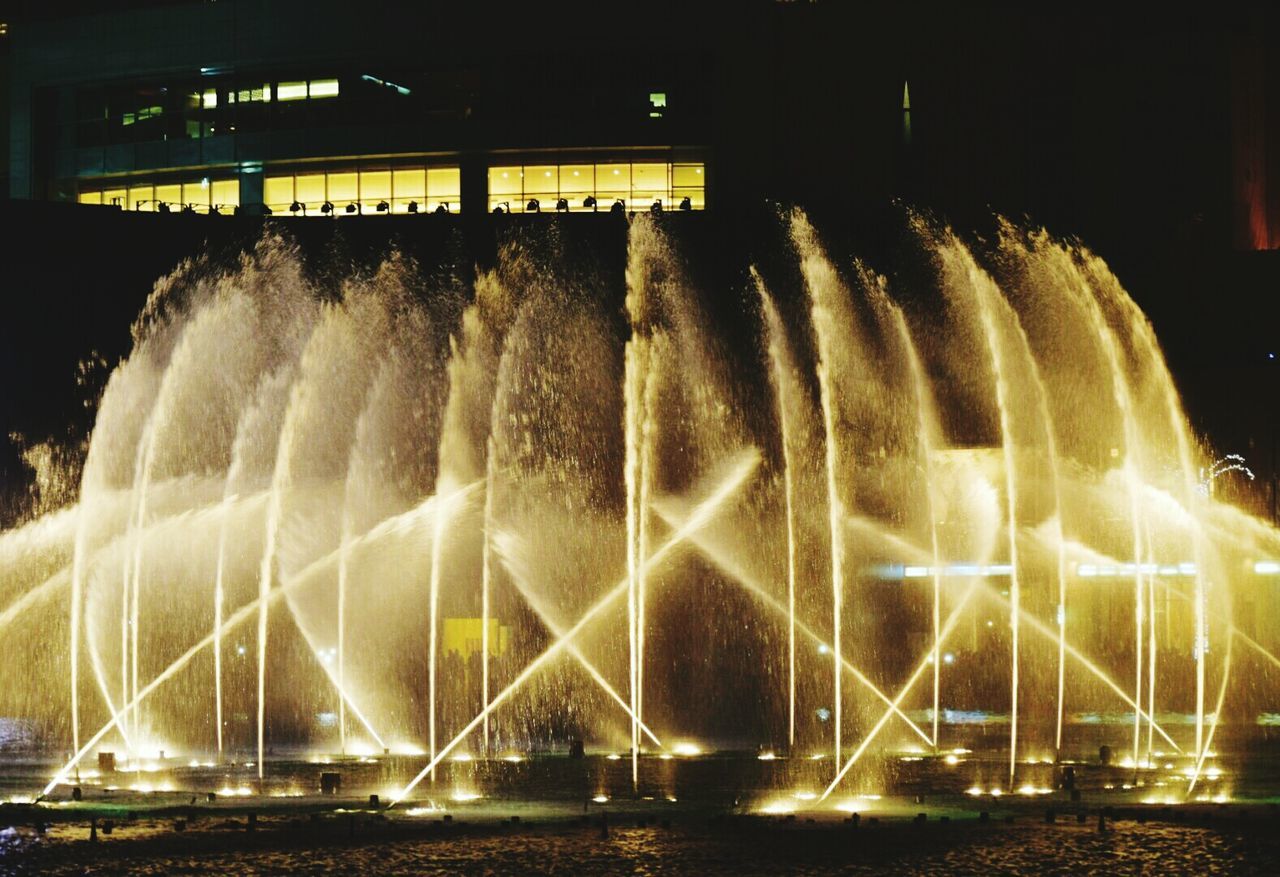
<point x="906" y="113"/>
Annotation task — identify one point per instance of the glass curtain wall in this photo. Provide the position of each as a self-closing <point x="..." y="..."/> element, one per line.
<point x="637" y="185"/>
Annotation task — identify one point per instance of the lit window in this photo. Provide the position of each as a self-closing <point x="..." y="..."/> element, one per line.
<point x="291" y="91"/>
<point x="209" y="99"/>
<point x="648" y="185"/>
<point x="444" y="186"/>
<point x="344" y="189"/>
<point x="277" y="193"/>
<point x="196" y="194"/>
<point x="584" y="187"/>
<point x="114" y="196"/>
<point x="141" y="198"/>
<point x="505" y="181"/>
<point x="657" y="99"/>
<point x="309" y="189"/>
<point x="613" y="180"/>
<point x="375" y="187"/>
<point x="408" y="184"/>
<point x="225" y="193"/>
<point x="171" y="195"/>
<point x="324" y="88"/>
<point x="90" y="198"/>
<point x="251" y="95"/>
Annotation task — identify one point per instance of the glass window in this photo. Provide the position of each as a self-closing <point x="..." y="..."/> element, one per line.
<point x="613" y="179"/>
<point x="343" y="189"/>
<point x="225" y="193"/>
<point x="90" y="198"/>
<point x="375" y="187"/>
<point x="687" y="175"/>
<point x="114" y="196"/>
<point x="408" y="184"/>
<point x="648" y="185"/>
<point x="291" y="91"/>
<point x="253" y="94"/>
<point x="171" y="195"/>
<point x="324" y="88"/>
<point x="142" y="198"/>
<point x="444" y="187"/>
<point x="505" y="181"/>
<point x="209" y="98"/>
<point x="309" y="189"/>
<point x="277" y="192"/>
<point x="697" y="200"/>
<point x="196" y="194"/>
<point x="541" y="184"/>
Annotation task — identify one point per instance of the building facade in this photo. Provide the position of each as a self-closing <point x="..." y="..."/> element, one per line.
<point x="334" y="109"/>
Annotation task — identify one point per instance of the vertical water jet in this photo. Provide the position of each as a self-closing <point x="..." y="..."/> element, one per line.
<point x="781" y="375"/>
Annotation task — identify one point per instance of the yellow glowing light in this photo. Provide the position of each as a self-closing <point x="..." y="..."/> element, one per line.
<point x="817" y="756"/>
<point x="951" y="759"/>
<point x="514" y="759"/>
<point x="193" y="763"/>
<point x="613" y="756"/>
<point x="21" y="799"/>
<point x="996" y="793"/>
<point x="363" y="750"/>
<point x="462" y="756"/>
<point x="408" y="749"/>
<point x="686" y="749"/>
<point x="766" y="756"/>
<point x="804" y="796"/>
<point x="466" y="796"/>
<point x="666" y="756"/>
<point x="975" y="791"/>
<point x="1213" y="773"/>
<point x="778" y="808"/>
<point x="422" y="811"/>
<point x="671" y="798"/>
<point x="960" y="750"/>
<point x="600" y="799"/>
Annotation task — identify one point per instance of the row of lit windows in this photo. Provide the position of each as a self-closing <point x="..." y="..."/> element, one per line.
<point x="518" y="189"/>
<point x="284" y="91"/>
<point x="201" y="196"/>
<point x="398" y="190"/>
<point x="587" y="187"/>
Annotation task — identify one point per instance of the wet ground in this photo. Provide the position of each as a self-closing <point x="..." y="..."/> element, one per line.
<point x="363" y="844"/>
<point x="713" y="813"/>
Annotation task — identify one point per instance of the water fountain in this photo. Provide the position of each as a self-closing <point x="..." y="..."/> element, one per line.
<point x="368" y="522"/>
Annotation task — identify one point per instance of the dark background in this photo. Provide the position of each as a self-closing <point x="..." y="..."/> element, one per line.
<point x="1152" y="136"/>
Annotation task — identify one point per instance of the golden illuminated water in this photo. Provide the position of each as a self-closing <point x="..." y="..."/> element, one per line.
<point x="659" y="536"/>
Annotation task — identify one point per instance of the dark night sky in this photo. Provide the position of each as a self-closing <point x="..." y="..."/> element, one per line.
<point x="1112" y="125"/>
